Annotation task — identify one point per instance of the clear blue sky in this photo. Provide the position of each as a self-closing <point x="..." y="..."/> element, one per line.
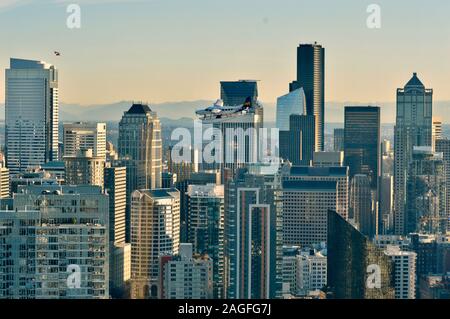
<point x="173" y="50"/>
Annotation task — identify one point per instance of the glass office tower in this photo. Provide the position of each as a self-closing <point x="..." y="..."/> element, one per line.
<point x="311" y="77"/>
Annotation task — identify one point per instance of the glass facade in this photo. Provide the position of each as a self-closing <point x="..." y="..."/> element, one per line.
<point x="351" y="260"/>
<point x="362" y="141"/>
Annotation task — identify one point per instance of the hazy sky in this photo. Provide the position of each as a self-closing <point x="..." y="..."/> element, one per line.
<point x="173" y="50"/>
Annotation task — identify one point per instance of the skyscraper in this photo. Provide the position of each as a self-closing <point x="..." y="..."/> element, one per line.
<point x="311" y="77"/>
<point x="234" y="93"/>
<point x="426" y="194"/>
<point x="56" y="230"/>
<point x="253" y="240"/>
<point x="240" y="135"/>
<point x="339" y="175"/>
<point x="205" y="204"/>
<point x="80" y="135"/>
<point x="298" y="144"/>
<point x="413" y="128"/>
<point x="116" y="187"/>
<point x="361" y="209"/>
<point x="291" y="103"/>
<point x="155" y="232"/>
<point x="362" y="142"/>
<point x="305" y="208"/>
<point x="31" y="114"/>
<point x="443" y="146"/>
<point x="140" y="151"/>
<point x="357" y="269"/>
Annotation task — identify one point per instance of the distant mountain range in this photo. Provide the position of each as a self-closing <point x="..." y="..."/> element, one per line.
<point x="171" y="111"/>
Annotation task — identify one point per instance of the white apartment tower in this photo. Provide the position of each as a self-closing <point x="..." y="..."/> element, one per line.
<point x="187" y="276"/>
<point x="55" y="244"/>
<point x="80" y="135"/>
<point x="405" y="272"/>
<point x="155" y="232"/>
<point x="31" y="114"/>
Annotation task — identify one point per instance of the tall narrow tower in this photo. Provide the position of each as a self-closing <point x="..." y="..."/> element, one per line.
<point x="140" y="151"/>
<point x="31" y="114"/>
<point x="413" y="128"/>
<point x="311" y="77"/>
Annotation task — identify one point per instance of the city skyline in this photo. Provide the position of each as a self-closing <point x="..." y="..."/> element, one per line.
<point x="237" y="199"/>
<point x="134" y="63"/>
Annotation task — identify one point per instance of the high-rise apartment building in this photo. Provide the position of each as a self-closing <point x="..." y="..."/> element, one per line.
<point x="155" y="232"/>
<point x="187" y="276"/>
<point x="116" y="187"/>
<point x="78" y="136"/>
<point x="55" y="243"/>
<point x="31" y="115"/>
<point x="405" y="272"/>
<point x="311" y="77"/>
<point x="413" y="128"/>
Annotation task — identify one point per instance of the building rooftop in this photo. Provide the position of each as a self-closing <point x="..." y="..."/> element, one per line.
<point x="414" y="81"/>
<point x="318" y="171"/>
<point x="310" y="185"/>
<point x="139" y="109"/>
<point x="28" y="64"/>
<point x="59" y="190"/>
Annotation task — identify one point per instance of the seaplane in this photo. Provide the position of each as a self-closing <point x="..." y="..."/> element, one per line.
<point x="218" y="110"/>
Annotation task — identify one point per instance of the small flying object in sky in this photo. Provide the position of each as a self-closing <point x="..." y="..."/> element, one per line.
<point x="57" y="53"/>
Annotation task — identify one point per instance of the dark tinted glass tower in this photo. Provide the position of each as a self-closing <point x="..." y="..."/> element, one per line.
<point x="362" y="141"/>
<point x="352" y="257"/>
<point x="236" y="92"/>
<point x="311" y="77"/>
<point x="298" y="144"/>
